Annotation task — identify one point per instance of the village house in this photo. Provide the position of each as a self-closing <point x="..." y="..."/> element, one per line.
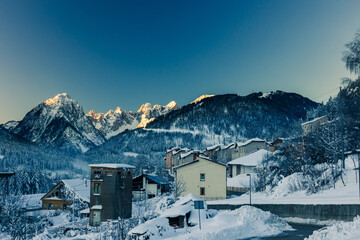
<point x="179" y="156"/>
<point x="173" y="157"/>
<point x="147" y="186"/>
<point x="67" y="192"/>
<point x="110" y="192"/>
<point x="276" y="144"/>
<point x="202" y="177"/>
<point x="226" y="153"/>
<point x="312" y="125"/>
<point x="247" y="164"/>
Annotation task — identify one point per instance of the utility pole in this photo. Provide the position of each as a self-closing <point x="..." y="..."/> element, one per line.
<point x="250" y="186"/>
<point x="342" y="131"/>
<point x="359" y="173"/>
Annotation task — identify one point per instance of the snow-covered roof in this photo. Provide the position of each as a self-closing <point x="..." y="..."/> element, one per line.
<point x="213" y="147"/>
<point x="250" y="141"/>
<point x="312" y="121"/>
<point x="80" y="187"/>
<point x="32" y="201"/>
<point x="111" y="165"/>
<point x="85" y="211"/>
<point x="180" y="150"/>
<point x="156" y="179"/>
<point x="182" y="206"/>
<point x="252" y="159"/>
<point x="172" y="149"/>
<point x="184" y="155"/>
<point x="96" y="207"/>
<point x="231" y="145"/>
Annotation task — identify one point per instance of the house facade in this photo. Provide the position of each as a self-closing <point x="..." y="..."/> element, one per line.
<point x="202" y="177"/>
<point x="67" y="192"/>
<point x="312" y="125"/>
<point x="110" y="192"/>
<point x="247" y="164"/>
<point x="225" y="153"/>
<point x="147" y="186"/>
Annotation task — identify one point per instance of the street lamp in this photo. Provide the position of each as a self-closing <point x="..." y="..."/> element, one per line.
<point x="250" y="185"/>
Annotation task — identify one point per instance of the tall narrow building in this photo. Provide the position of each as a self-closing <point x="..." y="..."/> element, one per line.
<point x="111" y="192"/>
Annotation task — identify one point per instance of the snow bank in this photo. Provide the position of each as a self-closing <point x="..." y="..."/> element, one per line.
<point x="241" y="223"/>
<point x="341" y="230"/>
<point x="157" y="228"/>
<point x="241" y="180"/>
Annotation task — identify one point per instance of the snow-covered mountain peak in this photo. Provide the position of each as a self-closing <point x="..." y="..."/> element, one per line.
<point x="172" y="105"/>
<point x="145" y="108"/>
<point x="118" y="110"/>
<point x="59" y="99"/>
<point x="271" y="94"/>
<point x="59" y="121"/>
<point x="199" y="99"/>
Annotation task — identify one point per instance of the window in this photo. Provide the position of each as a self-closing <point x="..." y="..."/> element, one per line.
<point x="57" y="193"/>
<point x="238" y="169"/>
<point x="64" y="206"/>
<point x="202" y="177"/>
<point x="202" y="191"/>
<point x="50" y="206"/>
<point x="97" y="188"/>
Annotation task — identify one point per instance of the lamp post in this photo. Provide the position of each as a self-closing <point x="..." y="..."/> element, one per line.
<point x="250" y="185"/>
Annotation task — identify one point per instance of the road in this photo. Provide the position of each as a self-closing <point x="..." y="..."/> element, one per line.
<point x="301" y="232"/>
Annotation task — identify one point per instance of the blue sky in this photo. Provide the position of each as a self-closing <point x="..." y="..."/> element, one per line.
<point x="113" y="53"/>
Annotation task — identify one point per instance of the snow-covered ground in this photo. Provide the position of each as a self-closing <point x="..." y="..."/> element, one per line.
<point x="241" y="181"/>
<point x="241" y="223"/>
<point x="340" y="230"/>
<point x="290" y="190"/>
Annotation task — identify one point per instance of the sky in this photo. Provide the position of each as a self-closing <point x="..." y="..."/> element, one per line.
<point x="106" y="54"/>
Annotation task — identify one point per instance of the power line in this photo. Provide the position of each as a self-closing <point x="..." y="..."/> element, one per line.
<point x="326" y="93"/>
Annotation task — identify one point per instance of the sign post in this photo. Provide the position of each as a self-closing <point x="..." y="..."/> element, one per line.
<point x="199" y="204"/>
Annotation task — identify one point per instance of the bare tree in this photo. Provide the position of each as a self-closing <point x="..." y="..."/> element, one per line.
<point x="180" y="186"/>
<point x="351" y="56"/>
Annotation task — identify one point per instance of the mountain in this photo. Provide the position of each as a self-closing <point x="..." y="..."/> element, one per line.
<point x="264" y="115"/>
<point x="114" y="122"/>
<point x="10" y="125"/>
<point x="58" y="122"/>
<point x="205" y="122"/>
